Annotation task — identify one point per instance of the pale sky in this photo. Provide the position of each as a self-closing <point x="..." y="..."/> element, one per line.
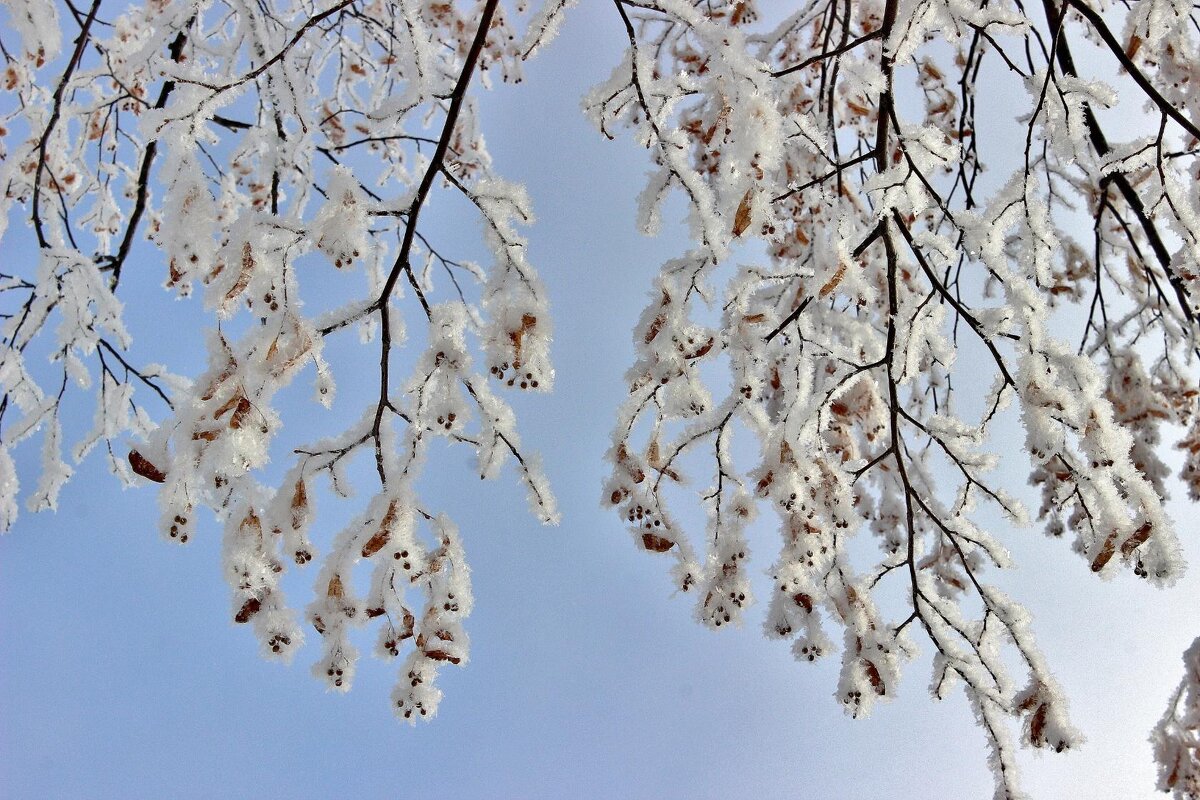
<point x="122" y="676"/>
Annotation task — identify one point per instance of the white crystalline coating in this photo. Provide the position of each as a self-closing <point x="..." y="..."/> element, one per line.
<point x="37" y="24"/>
<point x="55" y="472"/>
<point x="187" y="240"/>
<point x="10" y="485"/>
<point x="1176" y="737"/>
<point x="544" y="26"/>
<point x="649" y="216"/>
<point x="340" y="227"/>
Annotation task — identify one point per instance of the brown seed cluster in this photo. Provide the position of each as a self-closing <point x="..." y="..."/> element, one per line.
<point x="177" y="530"/>
<point x="335" y="675"/>
<point x="510" y="375"/>
<point x="642" y="517"/>
<point x="811" y="652"/>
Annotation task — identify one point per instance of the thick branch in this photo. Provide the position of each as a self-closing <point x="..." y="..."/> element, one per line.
<point x="457" y="97"/>
<point x="143" y="184"/>
<point x="1099" y="141"/>
<point x="55" y="112"/>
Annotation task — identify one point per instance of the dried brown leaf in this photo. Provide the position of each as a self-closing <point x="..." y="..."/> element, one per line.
<point x="248" y="610"/>
<point x="1106" y="552"/>
<point x="874" y="677"/>
<point x="741" y="218"/>
<point x="441" y="655"/>
<point x="376" y="543"/>
<point x="656" y="544"/>
<point x="655" y="327"/>
<point x="144" y="468"/>
<point x="299" y="505"/>
<point x="239" y="414"/>
<point x="1135" y="541"/>
<point x="243" y="278"/>
<point x="834" y="280"/>
<point x="1037" y="726"/>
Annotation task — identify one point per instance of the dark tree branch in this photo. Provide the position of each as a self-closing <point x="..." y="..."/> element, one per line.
<point x="457" y="98"/>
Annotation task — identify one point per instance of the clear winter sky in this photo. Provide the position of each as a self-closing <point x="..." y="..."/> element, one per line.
<point x="122" y="676"/>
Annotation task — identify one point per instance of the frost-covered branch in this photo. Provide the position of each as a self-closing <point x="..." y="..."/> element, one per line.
<point x="1176" y="739"/>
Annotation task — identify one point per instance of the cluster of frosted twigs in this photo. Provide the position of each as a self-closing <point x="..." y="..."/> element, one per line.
<point x="841" y="137"/>
<point x="256" y="144"/>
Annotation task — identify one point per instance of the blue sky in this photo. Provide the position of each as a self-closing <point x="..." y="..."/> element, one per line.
<point x="121" y="675"/>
